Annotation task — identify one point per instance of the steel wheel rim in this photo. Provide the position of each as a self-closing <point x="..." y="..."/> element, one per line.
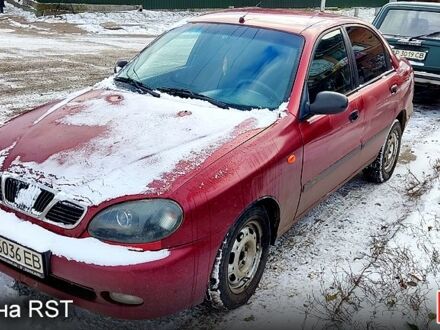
<point x="245" y="257"/>
<point x="391" y="150"/>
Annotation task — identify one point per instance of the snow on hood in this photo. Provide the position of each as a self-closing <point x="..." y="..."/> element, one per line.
<point x="137" y="140"/>
<point x="4" y="153"/>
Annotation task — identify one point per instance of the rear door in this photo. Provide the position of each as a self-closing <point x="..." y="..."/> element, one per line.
<point x="379" y="86"/>
<point x="331" y="142"/>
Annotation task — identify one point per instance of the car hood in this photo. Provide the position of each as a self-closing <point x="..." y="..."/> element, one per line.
<point x="101" y="144"/>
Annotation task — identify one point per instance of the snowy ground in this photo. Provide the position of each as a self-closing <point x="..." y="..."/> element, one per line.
<point x="146" y="22"/>
<point x="368" y="257"/>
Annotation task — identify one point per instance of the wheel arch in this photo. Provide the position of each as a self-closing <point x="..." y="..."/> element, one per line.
<point x="272" y="207"/>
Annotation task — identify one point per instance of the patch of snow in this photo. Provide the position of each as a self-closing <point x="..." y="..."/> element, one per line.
<point x="366" y="14"/>
<point x="11" y="10"/>
<point x="26" y="26"/>
<point x="107" y="83"/>
<point x="86" y="250"/>
<point x="26" y="197"/>
<point x="62" y="104"/>
<point x="15" y="45"/>
<point x="7" y="83"/>
<point x="213" y="292"/>
<point x="4" y="154"/>
<point x="131" y="22"/>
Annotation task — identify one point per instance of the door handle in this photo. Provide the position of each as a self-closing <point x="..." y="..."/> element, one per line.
<point x="393" y="89"/>
<point x="354" y="116"/>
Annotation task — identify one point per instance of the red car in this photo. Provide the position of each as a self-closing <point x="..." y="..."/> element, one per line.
<point x="167" y="183"/>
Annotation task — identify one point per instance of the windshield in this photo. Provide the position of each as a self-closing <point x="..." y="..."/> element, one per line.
<point x="411" y="23"/>
<point x="242" y="67"/>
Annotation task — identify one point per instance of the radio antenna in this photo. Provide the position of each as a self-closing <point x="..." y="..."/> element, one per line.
<point x="242" y="18"/>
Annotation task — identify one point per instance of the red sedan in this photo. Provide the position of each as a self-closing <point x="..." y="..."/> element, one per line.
<point x="167" y="183"/>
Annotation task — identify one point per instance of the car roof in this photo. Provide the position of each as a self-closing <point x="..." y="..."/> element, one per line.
<point x="288" y="20"/>
<point x="413" y="4"/>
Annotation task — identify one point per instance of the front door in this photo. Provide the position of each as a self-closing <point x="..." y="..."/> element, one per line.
<point x="332" y="143"/>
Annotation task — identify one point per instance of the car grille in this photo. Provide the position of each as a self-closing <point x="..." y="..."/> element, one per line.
<point x="13" y="187"/>
<point x="44" y="204"/>
<point x="43" y="200"/>
<point x="65" y="212"/>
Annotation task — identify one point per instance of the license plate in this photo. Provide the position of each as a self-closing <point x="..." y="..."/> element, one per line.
<point x="411" y="54"/>
<point x="24" y="258"/>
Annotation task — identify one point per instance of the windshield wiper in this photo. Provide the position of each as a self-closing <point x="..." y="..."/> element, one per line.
<point x="138" y="85"/>
<point x="425" y="35"/>
<point x="392" y="35"/>
<point x="190" y="94"/>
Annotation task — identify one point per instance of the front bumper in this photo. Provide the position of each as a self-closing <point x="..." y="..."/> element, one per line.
<point x="422" y="77"/>
<point x="166" y="285"/>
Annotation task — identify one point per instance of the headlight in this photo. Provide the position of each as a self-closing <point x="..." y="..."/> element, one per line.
<point x="137" y="222"/>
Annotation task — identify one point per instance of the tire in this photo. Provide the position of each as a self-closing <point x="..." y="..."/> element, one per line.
<point x="383" y="166"/>
<point x="240" y="261"/>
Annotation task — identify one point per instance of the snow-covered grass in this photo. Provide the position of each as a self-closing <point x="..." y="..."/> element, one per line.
<point x="133" y="22"/>
<point x="146" y="22"/>
<point x="16" y="11"/>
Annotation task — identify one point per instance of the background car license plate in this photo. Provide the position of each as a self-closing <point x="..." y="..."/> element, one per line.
<point x="410" y="54"/>
<point x="24" y="258"/>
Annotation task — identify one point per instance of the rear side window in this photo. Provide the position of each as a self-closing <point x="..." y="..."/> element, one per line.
<point x="330" y="69"/>
<point x="372" y="59"/>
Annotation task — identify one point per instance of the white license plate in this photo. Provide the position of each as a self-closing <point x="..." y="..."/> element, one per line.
<point x="23" y="258"/>
<point x="410" y="54"/>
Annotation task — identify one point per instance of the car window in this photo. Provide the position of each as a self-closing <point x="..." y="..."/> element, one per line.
<point x="411" y="23"/>
<point x="330" y="69"/>
<point x="371" y="57"/>
<point x="167" y="58"/>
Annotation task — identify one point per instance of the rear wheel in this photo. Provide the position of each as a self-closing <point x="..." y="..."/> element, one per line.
<point x="383" y="166"/>
<point x="240" y="261"/>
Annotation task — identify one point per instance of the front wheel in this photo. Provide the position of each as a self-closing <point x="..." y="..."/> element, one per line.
<point x="383" y="166"/>
<point x="240" y="261"/>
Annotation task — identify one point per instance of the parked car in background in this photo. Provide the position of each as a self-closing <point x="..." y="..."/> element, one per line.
<point x="413" y="31"/>
<point x="167" y="183"/>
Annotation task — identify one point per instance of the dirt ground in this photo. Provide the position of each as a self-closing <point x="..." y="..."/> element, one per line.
<point x="41" y="61"/>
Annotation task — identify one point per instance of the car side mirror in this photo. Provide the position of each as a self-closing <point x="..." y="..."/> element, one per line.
<point x="329" y="103"/>
<point x="120" y="65"/>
